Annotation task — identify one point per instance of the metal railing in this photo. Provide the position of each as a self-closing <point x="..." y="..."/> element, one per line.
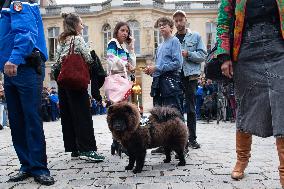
<point x="185" y="5"/>
<point x="106" y="5"/>
<point x="82" y="9"/>
<point x="53" y="10"/>
<point x="158" y="5"/>
<point x="210" y="5"/>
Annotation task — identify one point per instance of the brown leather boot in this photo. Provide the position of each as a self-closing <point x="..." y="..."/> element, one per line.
<point x="280" y="149"/>
<point x="243" y="147"/>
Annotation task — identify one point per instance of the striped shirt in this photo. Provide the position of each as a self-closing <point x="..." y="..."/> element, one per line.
<point x="118" y="56"/>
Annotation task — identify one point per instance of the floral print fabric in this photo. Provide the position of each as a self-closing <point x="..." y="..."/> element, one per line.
<point x="225" y="17"/>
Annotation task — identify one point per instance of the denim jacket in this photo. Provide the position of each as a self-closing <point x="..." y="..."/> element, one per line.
<point x="197" y="53"/>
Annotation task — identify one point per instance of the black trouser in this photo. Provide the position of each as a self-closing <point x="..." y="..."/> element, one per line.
<point x="76" y="121"/>
<point x="190" y="91"/>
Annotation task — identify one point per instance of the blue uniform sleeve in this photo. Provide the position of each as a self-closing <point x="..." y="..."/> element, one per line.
<point x="175" y="62"/>
<point x="23" y="24"/>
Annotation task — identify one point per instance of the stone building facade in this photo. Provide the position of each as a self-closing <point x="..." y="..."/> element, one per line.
<point x="100" y="18"/>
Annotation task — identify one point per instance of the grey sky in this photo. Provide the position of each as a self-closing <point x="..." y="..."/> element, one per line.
<point x="91" y="1"/>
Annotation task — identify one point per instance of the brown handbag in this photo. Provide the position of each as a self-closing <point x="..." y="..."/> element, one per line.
<point x="74" y="73"/>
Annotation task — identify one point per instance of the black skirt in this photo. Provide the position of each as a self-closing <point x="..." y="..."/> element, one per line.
<point x="259" y="81"/>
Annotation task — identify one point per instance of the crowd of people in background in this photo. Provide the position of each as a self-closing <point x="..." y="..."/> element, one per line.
<point x="214" y="101"/>
<point x="212" y="98"/>
<point x="99" y="107"/>
<point x="50" y="105"/>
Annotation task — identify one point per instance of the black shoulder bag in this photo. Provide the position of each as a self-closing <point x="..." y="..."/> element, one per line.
<point x="98" y="75"/>
<point x="213" y="64"/>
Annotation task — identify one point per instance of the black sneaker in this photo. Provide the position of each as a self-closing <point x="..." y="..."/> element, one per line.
<point x="159" y="150"/>
<point x="91" y="155"/>
<point x="20" y="176"/>
<point x="46" y="180"/>
<point x="75" y="155"/>
<point x="193" y="145"/>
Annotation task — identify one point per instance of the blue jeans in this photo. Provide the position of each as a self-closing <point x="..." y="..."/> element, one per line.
<point x="23" y="96"/>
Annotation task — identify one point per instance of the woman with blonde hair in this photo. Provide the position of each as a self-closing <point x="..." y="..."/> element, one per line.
<point x="76" y="119"/>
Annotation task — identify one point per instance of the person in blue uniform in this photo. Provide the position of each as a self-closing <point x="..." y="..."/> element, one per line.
<point x="22" y="56"/>
<point x="54" y="104"/>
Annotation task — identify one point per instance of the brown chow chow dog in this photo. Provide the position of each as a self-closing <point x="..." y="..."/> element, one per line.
<point x="165" y="128"/>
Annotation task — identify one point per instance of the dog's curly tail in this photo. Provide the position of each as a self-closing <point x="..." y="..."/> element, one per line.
<point x="165" y="113"/>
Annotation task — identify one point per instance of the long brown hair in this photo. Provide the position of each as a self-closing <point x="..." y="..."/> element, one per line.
<point x="70" y="22"/>
<point x="118" y="26"/>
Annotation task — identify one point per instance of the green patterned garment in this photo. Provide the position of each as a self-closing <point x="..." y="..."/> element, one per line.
<point x="224" y="21"/>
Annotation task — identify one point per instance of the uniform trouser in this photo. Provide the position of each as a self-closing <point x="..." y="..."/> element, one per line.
<point x="76" y="120"/>
<point x="23" y="95"/>
<point x="190" y="90"/>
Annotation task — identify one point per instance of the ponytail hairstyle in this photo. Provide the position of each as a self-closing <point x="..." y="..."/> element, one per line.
<point x="70" y="22"/>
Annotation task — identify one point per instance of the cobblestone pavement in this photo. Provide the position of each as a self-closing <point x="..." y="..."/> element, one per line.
<point x="207" y="167"/>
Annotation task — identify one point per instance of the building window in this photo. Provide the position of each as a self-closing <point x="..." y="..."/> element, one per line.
<point x="52" y="42"/>
<point x="106" y="36"/>
<point x="85" y="34"/>
<point x="158" y="39"/>
<point x="210" y="35"/>
<point x="135" y="32"/>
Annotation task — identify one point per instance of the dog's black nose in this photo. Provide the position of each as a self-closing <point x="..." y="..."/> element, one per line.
<point x="119" y="125"/>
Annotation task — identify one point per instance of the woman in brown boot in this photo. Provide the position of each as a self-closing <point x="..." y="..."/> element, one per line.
<point x="255" y="52"/>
